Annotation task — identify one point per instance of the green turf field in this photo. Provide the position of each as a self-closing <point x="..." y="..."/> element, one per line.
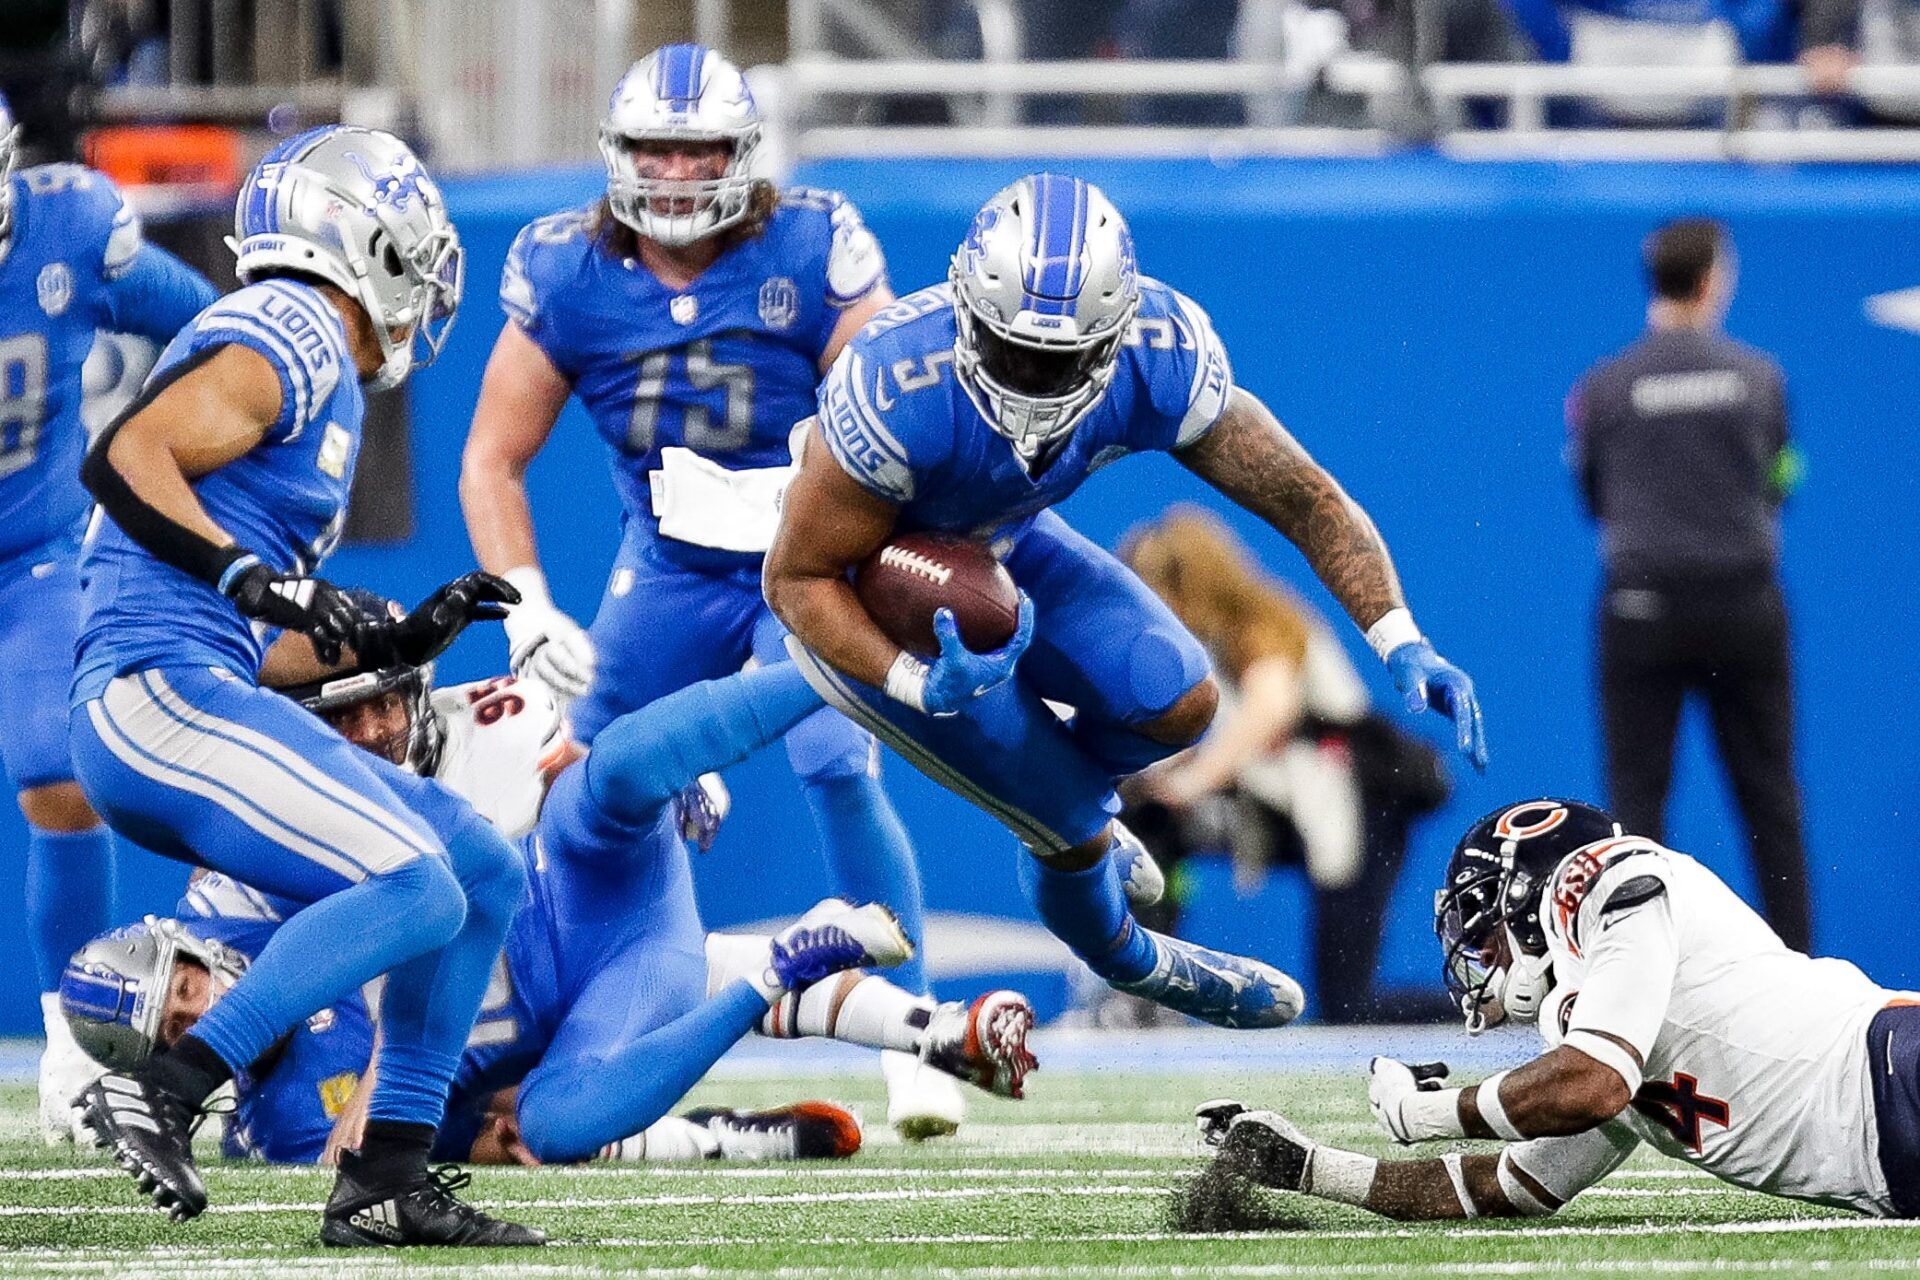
<point x="1077" y="1181"/>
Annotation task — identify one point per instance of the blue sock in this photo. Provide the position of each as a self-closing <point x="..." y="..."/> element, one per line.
<point x="69" y="895"/>
<point x="428" y="1008"/>
<point x="327" y="950"/>
<point x="869" y="859"/>
<point x="1088" y="911"/>
<point x="570" y="1112"/>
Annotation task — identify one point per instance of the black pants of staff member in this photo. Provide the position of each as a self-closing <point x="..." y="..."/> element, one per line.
<point x="1727" y="642"/>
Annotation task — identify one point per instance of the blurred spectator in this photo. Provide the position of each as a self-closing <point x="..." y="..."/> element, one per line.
<point x="1656" y="33"/>
<point x="1838" y="35"/>
<point x="1297" y="768"/>
<point x="1174" y="29"/>
<point x="1679" y="444"/>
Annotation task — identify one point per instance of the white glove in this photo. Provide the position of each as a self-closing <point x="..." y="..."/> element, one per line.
<point x="1394" y="1085"/>
<point x="544" y="644"/>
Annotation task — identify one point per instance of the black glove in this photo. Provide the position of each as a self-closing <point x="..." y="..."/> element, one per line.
<point x="312" y="606"/>
<point x="425" y="633"/>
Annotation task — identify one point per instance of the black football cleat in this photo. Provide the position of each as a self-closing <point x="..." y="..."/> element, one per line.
<point x="361" y="1214"/>
<point x="149" y="1131"/>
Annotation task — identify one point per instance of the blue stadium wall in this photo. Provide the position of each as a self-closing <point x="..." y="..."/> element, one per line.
<point x="1416" y="323"/>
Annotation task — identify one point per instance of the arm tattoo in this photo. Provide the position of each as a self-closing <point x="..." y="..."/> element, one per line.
<point x="1252" y="459"/>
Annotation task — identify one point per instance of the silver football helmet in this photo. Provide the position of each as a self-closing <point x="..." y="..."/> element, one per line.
<point x="9" y="158"/>
<point x="114" y="990"/>
<point x="355" y="208"/>
<point x="1044" y="289"/>
<point x="680" y="93"/>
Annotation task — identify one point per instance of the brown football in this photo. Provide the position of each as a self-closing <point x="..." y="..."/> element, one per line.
<point x="904" y="582"/>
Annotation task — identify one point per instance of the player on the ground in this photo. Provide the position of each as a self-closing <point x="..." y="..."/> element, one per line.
<point x="611" y="1000"/>
<point x="1673" y="1016"/>
<point x="691" y="311"/>
<point x="72" y="265"/>
<point x="973" y="407"/>
<point x="220" y="491"/>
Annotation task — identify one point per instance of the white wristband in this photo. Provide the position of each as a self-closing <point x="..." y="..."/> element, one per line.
<point x="907" y="682"/>
<point x="1395" y="628"/>
<point x="1430" y="1114"/>
<point x="1457" y="1174"/>
<point x="1345" y="1176"/>
<point x="531" y="583"/>
<point x="1492" y="1110"/>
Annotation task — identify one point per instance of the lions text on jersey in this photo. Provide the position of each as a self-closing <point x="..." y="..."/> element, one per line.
<point x="1756" y="1063"/>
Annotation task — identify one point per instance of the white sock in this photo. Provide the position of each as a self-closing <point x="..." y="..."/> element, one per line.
<point x="859" y="1008"/>
<point x="735" y="957"/>
<point x="667" y="1139"/>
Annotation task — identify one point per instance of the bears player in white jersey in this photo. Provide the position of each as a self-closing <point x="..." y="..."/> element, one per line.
<point x="691" y="312"/>
<point x="1672" y="1016"/>
<point x="72" y="266"/>
<point x="610" y="1001"/>
<point x="971" y="409"/>
<point x="221" y="490"/>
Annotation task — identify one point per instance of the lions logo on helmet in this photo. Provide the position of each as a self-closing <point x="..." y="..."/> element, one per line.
<point x="1044" y="289"/>
<point x="683" y="93"/>
<point x="355" y="208"/>
<point x="1488" y="915"/>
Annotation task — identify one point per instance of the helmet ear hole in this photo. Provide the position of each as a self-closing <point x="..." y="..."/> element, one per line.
<point x="390" y="258"/>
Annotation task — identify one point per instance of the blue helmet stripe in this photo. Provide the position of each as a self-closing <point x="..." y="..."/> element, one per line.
<point x="677" y="75"/>
<point x="1059" y="223"/>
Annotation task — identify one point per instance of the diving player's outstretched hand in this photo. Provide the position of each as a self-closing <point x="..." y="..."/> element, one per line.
<point x="435" y="622"/>
<point x="293" y="602"/>
<point x="1430" y="681"/>
<point x="959" y="674"/>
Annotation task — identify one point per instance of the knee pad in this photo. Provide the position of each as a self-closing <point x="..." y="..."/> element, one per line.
<point x="827" y="746"/>
<point x="1162" y="667"/>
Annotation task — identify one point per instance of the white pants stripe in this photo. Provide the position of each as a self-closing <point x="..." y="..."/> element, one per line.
<point x="831" y="686"/>
<point x="299" y="766"/>
<point x="242" y="783"/>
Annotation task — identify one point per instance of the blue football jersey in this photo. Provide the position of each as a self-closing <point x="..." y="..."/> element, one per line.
<point x="724" y="367"/>
<point x="285" y="500"/>
<point x="897" y="420"/>
<point x="72" y="237"/>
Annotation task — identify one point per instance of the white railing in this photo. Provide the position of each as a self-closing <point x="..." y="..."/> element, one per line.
<point x="810" y="84"/>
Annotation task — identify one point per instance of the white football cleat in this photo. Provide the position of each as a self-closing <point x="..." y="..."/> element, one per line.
<point x="922" y="1102"/>
<point x="65" y="1073"/>
<point x="835" y="936"/>
<point x="983" y="1043"/>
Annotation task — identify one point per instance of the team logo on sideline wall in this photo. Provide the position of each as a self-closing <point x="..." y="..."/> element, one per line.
<point x="779" y="303"/>
<point x="55" y="286"/>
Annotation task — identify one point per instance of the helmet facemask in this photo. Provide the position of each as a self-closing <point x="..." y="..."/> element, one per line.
<point x="1494" y="971"/>
<point x="678" y="212"/>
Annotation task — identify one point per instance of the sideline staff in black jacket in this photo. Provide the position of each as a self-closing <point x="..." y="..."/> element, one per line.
<point x="1680" y="447"/>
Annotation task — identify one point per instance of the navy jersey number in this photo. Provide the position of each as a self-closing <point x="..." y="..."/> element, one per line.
<point x="702" y="429"/>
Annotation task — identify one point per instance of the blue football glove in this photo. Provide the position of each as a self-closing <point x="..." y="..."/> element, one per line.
<point x="960" y="675"/>
<point x="1430" y="681"/>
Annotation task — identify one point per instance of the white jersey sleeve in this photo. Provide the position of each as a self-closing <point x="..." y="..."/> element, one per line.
<point x="506" y="740"/>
